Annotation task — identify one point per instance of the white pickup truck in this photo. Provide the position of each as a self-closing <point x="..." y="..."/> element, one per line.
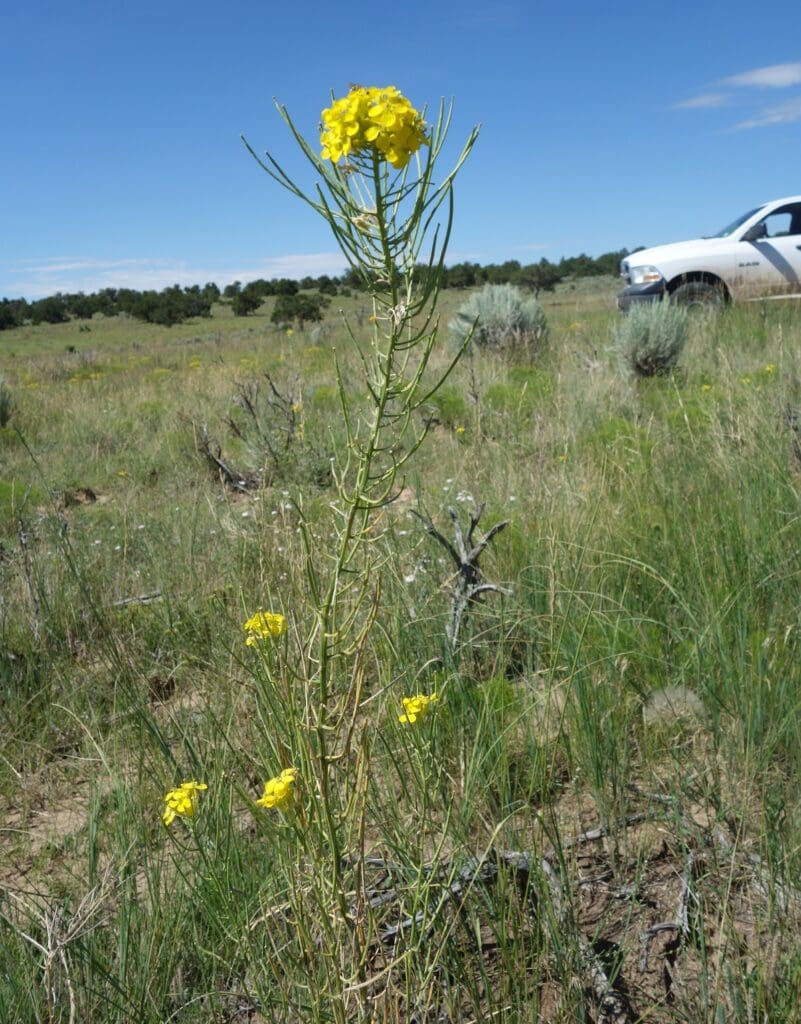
<point x="756" y="257"/>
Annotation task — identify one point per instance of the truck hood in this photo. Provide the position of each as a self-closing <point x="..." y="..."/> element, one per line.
<point x="693" y="250"/>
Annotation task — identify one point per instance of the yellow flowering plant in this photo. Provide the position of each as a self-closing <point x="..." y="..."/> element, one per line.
<point x="279" y="792"/>
<point x="182" y="801"/>
<point x="416" y="708"/>
<point x="378" y="190"/>
<point x="263" y="626"/>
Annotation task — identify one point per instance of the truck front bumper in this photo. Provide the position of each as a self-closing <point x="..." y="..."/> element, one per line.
<point x="637" y="294"/>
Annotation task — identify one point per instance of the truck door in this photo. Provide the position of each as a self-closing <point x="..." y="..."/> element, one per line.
<point x="770" y="264"/>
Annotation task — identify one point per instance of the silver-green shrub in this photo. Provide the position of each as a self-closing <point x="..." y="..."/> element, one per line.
<point x="502" y="318"/>
<point x="650" y="338"/>
<point x="5" y="403"/>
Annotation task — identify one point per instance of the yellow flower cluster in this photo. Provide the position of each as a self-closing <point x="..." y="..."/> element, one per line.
<point x="416" y="707"/>
<point x="280" y="791"/>
<point x="182" y="801"/>
<point x="382" y="120"/>
<point x="263" y="626"/>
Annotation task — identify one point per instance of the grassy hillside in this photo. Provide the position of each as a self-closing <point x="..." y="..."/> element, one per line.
<point x="600" y="814"/>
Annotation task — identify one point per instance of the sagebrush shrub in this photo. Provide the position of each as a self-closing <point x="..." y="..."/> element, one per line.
<point x="501" y="318"/>
<point x="651" y="337"/>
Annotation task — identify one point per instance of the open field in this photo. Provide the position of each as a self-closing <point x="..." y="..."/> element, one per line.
<point x="599" y="820"/>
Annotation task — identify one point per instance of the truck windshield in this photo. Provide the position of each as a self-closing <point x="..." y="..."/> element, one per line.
<point x="736" y="223"/>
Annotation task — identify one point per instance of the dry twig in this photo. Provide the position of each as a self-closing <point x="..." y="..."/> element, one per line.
<point x="468" y="586"/>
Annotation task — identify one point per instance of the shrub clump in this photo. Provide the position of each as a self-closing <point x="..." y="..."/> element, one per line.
<point x="650" y="338"/>
<point x="502" y="319"/>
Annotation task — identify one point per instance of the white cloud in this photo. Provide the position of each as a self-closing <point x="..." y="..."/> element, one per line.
<point x="37" y="278"/>
<point x="777" y="76"/>
<point x="703" y="102"/>
<point x="784" y="113"/>
<point x="774" y="76"/>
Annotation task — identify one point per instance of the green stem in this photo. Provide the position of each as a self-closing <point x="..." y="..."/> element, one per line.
<point x="356" y="523"/>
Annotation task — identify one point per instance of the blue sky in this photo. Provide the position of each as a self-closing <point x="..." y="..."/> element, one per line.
<point x="602" y="127"/>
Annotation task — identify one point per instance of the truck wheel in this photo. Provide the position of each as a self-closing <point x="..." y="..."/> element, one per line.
<point x="699" y="295"/>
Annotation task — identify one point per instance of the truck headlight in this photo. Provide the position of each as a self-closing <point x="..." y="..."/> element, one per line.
<point x="644" y="275"/>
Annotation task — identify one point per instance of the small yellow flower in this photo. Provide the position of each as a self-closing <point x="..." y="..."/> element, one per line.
<point x="280" y="791"/>
<point x="416" y="707"/>
<point x="263" y="626"/>
<point x="770" y="368"/>
<point x="459" y="430"/>
<point x="297" y="407"/>
<point x="182" y="801"/>
<point x="745" y="380"/>
<point x="122" y="472"/>
<point x="289" y="332"/>
<point x="377" y="119"/>
<point x="706" y="387"/>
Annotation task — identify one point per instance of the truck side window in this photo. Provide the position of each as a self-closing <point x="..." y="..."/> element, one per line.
<point x="784" y="221"/>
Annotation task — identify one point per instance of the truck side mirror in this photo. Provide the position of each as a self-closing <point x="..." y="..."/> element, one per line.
<point x="754" y="233"/>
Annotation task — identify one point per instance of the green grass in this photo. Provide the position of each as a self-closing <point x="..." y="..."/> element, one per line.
<point x="653" y="543"/>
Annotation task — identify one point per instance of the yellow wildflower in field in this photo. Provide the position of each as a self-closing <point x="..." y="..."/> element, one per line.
<point x="416" y="707"/>
<point x="280" y="791"/>
<point x="263" y="626"/>
<point x="706" y="387"/>
<point x="182" y="801"/>
<point x="460" y="430"/>
<point x="770" y="368"/>
<point x="381" y="120"/>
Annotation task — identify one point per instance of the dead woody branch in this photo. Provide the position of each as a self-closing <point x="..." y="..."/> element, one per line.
<point x="468" y="586"/>
<point x="210" y="449"/>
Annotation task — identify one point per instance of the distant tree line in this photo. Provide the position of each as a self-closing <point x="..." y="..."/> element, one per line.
<point x="297" y="301"/>
<point x="170" y="306"/>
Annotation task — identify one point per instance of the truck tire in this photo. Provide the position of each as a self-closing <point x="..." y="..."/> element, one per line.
<point x="699" y="295"/>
